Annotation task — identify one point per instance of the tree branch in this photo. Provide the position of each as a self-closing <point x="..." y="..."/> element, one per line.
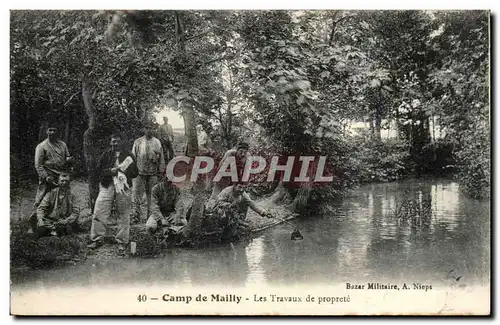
<point x="217" y="59"/>
<point x="198" y="35"/>
<point x="334" y="25"/>
<point x="69" y="100"/>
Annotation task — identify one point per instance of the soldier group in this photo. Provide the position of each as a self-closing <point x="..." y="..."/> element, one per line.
<point x="124" y="176"/>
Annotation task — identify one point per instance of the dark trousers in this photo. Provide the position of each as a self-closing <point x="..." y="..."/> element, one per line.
<point x="168" y="151"/>
<point x="61" y="230"/>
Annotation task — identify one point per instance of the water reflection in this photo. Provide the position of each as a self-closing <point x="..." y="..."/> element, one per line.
<point x="359" y="240"/>
<point x="255" y="252"/>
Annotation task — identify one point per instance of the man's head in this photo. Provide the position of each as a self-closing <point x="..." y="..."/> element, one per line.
<point x="64" y="180"/>
<point x="239" y="188"/>
<point x="52" y="132"/>
<point x="165" y="119"/>
<point x="148" y="130"/>
<point x="115" y="140"/>
<point x="242" y="149"/>
<point x="199" y="128"/>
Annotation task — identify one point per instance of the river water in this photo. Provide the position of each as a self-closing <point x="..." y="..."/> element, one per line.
<point x="358" y="240"/>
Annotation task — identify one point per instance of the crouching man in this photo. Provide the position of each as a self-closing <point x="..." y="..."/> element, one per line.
<point x="57" y="213"/>
<point x="116" y="168"/>
<point x="166" y="207"/>
<point x="231" y="206"/>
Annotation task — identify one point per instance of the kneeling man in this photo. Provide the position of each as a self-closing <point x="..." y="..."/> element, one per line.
<point x="231" y="205"/>
<point x="166" y="208"/>
<point x="57" y="213"/>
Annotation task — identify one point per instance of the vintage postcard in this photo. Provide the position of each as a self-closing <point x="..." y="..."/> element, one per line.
<point x="250" y="162"/>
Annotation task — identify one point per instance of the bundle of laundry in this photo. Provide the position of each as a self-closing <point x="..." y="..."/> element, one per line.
<point x="120" y="180"/>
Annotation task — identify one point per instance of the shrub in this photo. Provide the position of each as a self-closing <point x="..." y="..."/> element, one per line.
<point x="381" y="161"/>
<point x="473" y="162"/>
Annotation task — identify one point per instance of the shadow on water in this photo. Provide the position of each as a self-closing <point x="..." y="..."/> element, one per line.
<point x="358" y="240"/>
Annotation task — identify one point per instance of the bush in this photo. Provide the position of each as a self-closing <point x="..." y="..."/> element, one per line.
<point x="381" y="161"/>
<point x="436" y="158"/>
<point x="473" y="162"/>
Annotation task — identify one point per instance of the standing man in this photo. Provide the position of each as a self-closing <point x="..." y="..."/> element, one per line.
<point x="240" y="153"/>
<point x="203" y="140"/>
<point x="148" y="153"/>
<point x="51" y="157"/>
<point x="116" y="166"/>
<point x="167" y="139"/>
<point x="58" y="212"/>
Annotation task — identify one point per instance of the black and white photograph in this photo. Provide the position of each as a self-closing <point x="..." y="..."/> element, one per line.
<point x="250" y="162"/>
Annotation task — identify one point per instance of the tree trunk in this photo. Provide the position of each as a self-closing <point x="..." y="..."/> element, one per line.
<point x="371" y="125"/>
<point x="42" y="131"/>
<point x="67" y="129"/>
<point x="89" y="147"/>
<point x="299" y="203"/>
<point x="190" y="128"/>
<point x="378" y="123"/>
<point x="378" y="114"/>
<point x="193" y="228"/>
<point x="229" y="130"/>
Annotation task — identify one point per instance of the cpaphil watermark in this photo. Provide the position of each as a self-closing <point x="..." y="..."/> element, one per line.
<point x="253" y="169"/>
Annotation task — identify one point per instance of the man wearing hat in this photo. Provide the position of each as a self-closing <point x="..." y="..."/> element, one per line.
<point x="148" y="153"/>
<point x="166" y="206"/>
<point x="167" y="139"/>
<point x="231" y="206"/>
<point x="240" y="153"/>
<point x="51" y="156"/>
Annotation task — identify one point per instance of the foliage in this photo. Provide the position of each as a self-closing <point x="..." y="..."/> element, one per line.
<point x="287" y="81"/>
<point x="462" y="83"/>
<point x="381" y="161"/>
<point x="474" y="167"/>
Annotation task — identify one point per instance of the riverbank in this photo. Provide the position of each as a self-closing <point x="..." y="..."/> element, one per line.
<point x="358" y="240"/>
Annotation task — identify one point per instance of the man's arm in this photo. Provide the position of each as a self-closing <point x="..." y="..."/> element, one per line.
<point x="230" y="152"/>
<point x="66" y="150"/>
<point x="39" y="156"/>
<point x="74" y="210"/>
<point x="135" y="149"/>
<point x="102" y="169"/>
<point x="67" y="155"/>
<point x="251" y="203"/>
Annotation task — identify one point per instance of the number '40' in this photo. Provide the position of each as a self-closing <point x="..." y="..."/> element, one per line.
<point x="142" y="298"/>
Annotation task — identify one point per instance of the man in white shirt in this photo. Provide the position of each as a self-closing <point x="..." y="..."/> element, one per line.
<point x="148" y="153"/>
<point x="203" y="140"/>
